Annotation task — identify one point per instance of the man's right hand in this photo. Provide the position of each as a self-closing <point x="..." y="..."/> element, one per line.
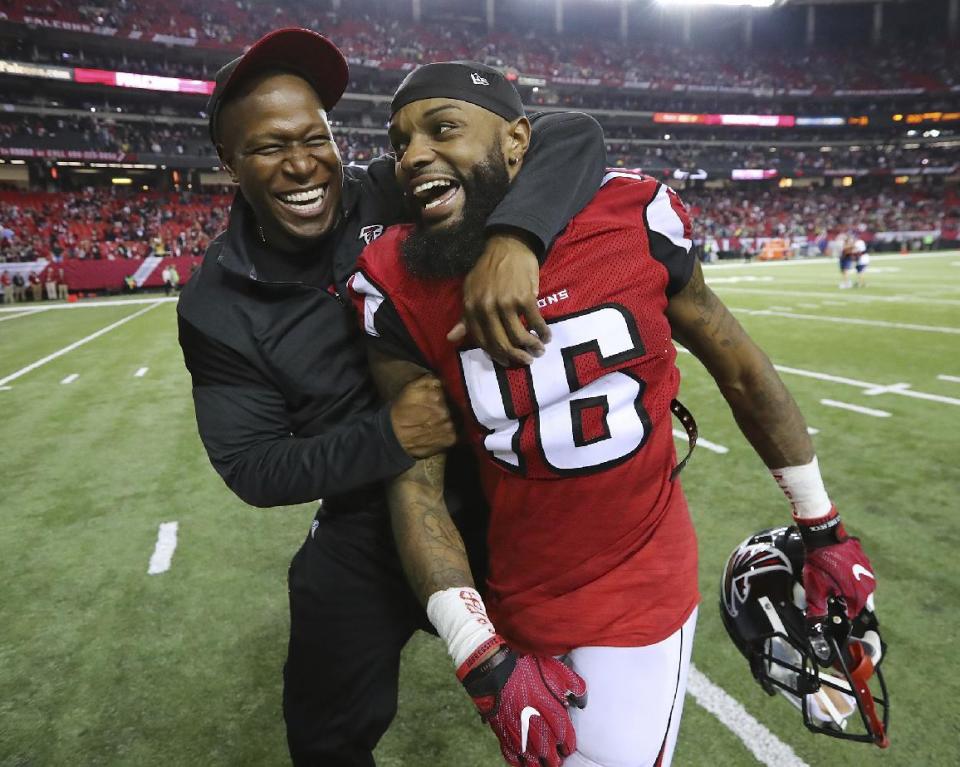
<point x="421" y="418"/>
<point x="525" y="700"/>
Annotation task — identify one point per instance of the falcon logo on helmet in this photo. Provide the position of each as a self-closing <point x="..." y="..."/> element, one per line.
<point x="830" y="670"/>
<point x="750" y="560"/>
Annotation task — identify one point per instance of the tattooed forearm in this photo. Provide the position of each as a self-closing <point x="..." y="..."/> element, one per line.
<point x="710" y="317"/>
<point x="431" y="549"/>
<point x="769" y="418"/>
<point x="767" y="414"/>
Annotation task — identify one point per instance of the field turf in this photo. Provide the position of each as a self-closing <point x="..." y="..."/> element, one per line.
<point x="103" y="664"/>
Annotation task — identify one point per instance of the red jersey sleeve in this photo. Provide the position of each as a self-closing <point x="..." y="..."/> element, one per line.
<point x="370" y="288"/>
<point x="671" y="231"/>
<point x="663" y="216"/>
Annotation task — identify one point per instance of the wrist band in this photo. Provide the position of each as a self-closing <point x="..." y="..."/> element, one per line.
<point x="804" y="488"/>
<point x="459" y="616"/>
<point x="823" y="531"/>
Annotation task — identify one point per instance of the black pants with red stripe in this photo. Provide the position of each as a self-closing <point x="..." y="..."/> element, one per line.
<point x="351" y="613"/>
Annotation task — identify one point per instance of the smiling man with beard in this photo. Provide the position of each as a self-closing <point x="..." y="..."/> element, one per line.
<point x="592" y="555"/>
<point x="453" y="250"/>
<point x="284" y="401"/>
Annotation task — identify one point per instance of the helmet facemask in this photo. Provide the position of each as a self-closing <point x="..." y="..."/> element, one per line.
<point x="829" y="671"/>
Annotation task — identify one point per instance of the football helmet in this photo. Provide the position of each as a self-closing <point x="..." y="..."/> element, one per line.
<point x="829" y="670"/>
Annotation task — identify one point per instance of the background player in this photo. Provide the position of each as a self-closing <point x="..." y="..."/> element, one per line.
<point x="863" y="261"/>
<point x="592" y="553"/>
<point x="848" y="257"/>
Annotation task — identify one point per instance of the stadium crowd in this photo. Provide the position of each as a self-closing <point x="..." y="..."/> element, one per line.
<point x="107" y="135"/>
<point x="108" y="132"/>
<point x="873" y="157"/>
<point x="97" y="224"/>
<point x="766" y="211"/>
<point x="393" y="42"/>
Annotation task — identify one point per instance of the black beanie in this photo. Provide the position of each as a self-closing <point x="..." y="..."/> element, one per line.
<point x="462" y="80"/>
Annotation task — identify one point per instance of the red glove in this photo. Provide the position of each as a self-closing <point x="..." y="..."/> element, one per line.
<point x="834" y="566"/>
<point x="524" y="699"/>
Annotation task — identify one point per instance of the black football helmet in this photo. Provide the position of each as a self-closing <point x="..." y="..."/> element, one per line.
<point x="829" y="671"/>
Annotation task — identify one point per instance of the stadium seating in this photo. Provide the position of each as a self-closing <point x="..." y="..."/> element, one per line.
<point x="96" y="226"/>
<point x="396" y="43"/>
<point x="735" y="176"/>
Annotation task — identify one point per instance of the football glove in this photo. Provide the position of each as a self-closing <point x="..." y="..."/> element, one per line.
<point x="834" y="566"/>
<point x="524" y="699"/>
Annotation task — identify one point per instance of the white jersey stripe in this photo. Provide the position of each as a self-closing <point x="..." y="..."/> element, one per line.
<point x="372" y="298"/>
<point x="663" y="219"/>
<point x="610" y="175"/>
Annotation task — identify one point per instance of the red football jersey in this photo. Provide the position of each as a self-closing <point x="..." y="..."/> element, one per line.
<point x="590" y="541"/>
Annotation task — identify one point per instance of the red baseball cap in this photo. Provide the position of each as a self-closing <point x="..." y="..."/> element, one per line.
<point x="302" y="51"/>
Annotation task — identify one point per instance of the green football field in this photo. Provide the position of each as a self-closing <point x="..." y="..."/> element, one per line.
<point x="102" y="663"/>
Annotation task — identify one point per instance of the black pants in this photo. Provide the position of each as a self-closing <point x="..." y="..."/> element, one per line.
<point x="351" y="613"/>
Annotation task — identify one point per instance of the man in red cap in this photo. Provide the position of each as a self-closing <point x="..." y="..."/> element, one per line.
<point x="284" y="402"/>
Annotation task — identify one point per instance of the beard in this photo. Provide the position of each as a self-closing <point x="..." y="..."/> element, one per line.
<point x="452" y="251"/>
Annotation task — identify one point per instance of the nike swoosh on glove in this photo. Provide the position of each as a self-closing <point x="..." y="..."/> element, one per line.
<point x="524" y="699"/>
<point x="835" y="565"/>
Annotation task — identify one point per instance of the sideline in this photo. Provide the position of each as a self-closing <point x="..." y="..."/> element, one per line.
<point x="94" y="303"/>
<point x="22" y="313"/>
<point x="75" y="344"/>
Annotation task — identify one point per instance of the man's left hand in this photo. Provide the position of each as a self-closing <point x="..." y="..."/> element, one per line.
<point x="835" y="565"/>
<point x="500" y="290"/>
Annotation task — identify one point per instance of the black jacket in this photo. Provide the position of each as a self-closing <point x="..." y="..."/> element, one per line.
<point x="285" y="405"/>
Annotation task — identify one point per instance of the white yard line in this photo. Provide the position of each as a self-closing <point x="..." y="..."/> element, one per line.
<point x="21" y="313"/>
<point x="163" y="551"/>
<point x="96" y="304"/>
<point x="855" y="408"/>
<point x="774" y="311"/>
<point x="825" y="377"/>
<point x="70" y="378"/>
<point x="830" y="261"/>
<point x="951" y="379"/>
<point x="894" y="389"/>
<point x="766" y="747"/>
<point x="74" y="345"/>
<point x="701" y="442"/>
<point x="141" y="372"/>
<point x="859" y="297"/>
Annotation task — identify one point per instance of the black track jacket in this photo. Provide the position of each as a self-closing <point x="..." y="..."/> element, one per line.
<point x="285" y="405"/>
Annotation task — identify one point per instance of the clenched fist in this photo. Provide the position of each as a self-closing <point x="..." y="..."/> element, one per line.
<point x="421" y="419"/>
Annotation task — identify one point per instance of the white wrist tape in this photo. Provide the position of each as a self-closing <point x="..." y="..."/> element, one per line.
<point x="804" y="488"/>
<point x="460" y="618"/>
